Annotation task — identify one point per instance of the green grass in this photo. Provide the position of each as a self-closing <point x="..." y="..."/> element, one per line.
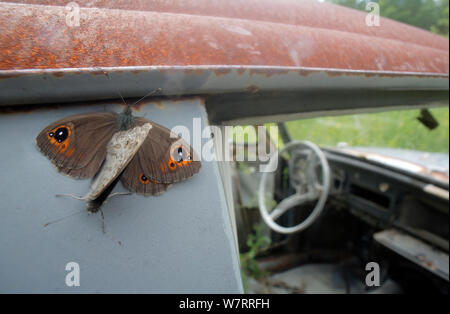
<point x="395" y="129"/>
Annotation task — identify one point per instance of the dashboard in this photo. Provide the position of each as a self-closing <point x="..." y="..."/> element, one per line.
<point x="387" y="198"/>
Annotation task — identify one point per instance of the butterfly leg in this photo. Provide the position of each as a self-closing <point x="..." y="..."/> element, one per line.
<point x="119" y="193"/>
<point x="103" y="221"/>
<point x="72" y="196"/>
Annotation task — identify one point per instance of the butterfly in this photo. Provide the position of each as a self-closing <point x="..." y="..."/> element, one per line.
<point x="110" y="147"/>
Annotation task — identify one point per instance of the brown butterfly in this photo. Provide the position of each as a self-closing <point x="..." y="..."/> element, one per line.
<point x="145" y="156"/>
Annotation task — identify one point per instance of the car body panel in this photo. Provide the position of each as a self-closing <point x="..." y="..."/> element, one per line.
<point x="202" y="47"/>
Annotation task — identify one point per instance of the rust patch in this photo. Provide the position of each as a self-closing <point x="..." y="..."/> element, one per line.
<point x="336" y="73"/>
<point x="159" y="105"/>
<point x="257" y="32"/>
<point x="222" y="71"/>
<point x="252" y="89"/>
<point x="439" y="175"/>
<point x="58" y="74"/>
<point x="240" y="71"/>
<point x="296" y="13"/>
<point x="194" y="71"/>
<point x="267" y="72"/>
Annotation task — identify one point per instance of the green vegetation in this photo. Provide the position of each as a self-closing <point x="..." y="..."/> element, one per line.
<point x="256" y="242"/>
<point x="395" y="129"/>
<point x="431" y="15"/>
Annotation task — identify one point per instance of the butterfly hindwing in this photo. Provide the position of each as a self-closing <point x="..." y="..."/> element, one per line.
<point x="135" y="180"/>
<point x="76" y="145"/>
<point x="163" y="159"/>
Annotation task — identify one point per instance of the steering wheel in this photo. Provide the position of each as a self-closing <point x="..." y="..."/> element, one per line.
<point x="305" y="159"/>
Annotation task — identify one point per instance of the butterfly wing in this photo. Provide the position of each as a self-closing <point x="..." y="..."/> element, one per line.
<point x="163" y="159"/>
<point x="134" y="179"/>
<point x="76" y="145"/>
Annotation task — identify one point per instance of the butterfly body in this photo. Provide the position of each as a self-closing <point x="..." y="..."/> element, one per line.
<point x="120" y="150"/>
<point x="109" y="147"/>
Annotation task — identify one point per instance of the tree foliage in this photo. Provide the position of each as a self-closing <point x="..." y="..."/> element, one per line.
<point x="431" y="15"/>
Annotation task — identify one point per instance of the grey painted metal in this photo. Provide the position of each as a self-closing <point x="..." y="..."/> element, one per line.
<point x="275" y="106"/>
<point x="84" y="84"/>
<point x="179" y="242"/>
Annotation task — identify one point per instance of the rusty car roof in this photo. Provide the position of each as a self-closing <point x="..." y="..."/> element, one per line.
<point x="252" y="32"/>
<point x="204" y="47"/>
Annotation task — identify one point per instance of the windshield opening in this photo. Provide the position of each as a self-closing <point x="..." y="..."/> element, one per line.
<point x="395" y="138"/>
<point x="393" y="129"/>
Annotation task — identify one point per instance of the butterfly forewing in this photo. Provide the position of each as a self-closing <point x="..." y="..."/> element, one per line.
<point x="76" y="145"/>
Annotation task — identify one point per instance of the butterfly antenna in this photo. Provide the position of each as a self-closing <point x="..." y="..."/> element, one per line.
<point x="63" y="218"/>
<point x="149" y="94"/>
<point x="120" y="94"/>
<point x="125" y="103"/>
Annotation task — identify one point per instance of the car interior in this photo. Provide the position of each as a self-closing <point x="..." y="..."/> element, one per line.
<point x="325" y="213"/>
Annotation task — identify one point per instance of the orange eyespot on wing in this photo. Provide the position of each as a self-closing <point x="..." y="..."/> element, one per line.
<point x="143" y="179"/>
<point x="179" y="156"/>
<point x="60" y="137"/>
<point x="172" y="165"/>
